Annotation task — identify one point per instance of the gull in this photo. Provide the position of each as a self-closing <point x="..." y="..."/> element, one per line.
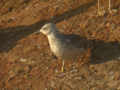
<point x="62" y="45"/>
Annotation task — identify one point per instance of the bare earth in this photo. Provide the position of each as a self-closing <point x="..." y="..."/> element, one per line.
<point x="26" y="62"/>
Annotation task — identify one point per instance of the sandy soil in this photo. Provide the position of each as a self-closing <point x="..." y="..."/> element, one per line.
<point x="26" y="62"/>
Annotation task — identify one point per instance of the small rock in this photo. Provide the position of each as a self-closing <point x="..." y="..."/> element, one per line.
<point x="108" y="25"/>
<point x="117" y="76"/>
<point x="118" y="88"/>
<point x="94" y="88"/>
<point x="23" y="60"/>
<point x="112" y="83"/>
<point x="113" y="26"/>
<point x="56" y="71"/>
<point x="111" y="75"/>
<point x="113" y="11"/>
<point x="27" y="68"/>
<point x="74" y="70"/>
<point x="46" y="88"/>
<point x="11" y="75"/>
<point x="52" y="84"/>
<point x="79" y="78"/>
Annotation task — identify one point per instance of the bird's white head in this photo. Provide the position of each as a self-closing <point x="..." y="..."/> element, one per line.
<point x="48" y="28"/>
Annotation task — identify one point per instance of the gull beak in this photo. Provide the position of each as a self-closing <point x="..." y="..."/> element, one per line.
<point x="37" y="32"/>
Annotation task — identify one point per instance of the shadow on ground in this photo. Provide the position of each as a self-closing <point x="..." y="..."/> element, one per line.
<point x="105" y="51"/>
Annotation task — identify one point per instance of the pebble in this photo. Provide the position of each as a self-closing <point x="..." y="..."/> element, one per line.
<point x="23" y="60"/>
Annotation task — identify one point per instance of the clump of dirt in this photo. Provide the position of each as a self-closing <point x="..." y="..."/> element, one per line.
<point x="26" y="61"/>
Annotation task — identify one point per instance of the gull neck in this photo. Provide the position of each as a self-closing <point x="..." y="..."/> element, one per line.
<point x="53" y="33"/>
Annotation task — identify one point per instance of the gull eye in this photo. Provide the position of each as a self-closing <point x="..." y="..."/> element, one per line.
<point x="45" y="28"/>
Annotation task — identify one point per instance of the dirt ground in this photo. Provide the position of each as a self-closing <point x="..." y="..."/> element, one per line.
<point x="26" y="62"/>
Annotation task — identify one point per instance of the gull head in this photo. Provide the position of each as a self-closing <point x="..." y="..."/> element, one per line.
<point x="48" y="28"/>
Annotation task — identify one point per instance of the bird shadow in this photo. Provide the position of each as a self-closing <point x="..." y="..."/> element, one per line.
<point x="101" y="51"/>
<point x="105" y="51"/>
<point x="10" y="36"/>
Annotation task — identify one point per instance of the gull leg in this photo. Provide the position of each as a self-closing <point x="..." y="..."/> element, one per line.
<point x="98" y="5"/>
<point x="63" y="64"/>
<point x="109" y="6"/>
<point x="99" y="9"/>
